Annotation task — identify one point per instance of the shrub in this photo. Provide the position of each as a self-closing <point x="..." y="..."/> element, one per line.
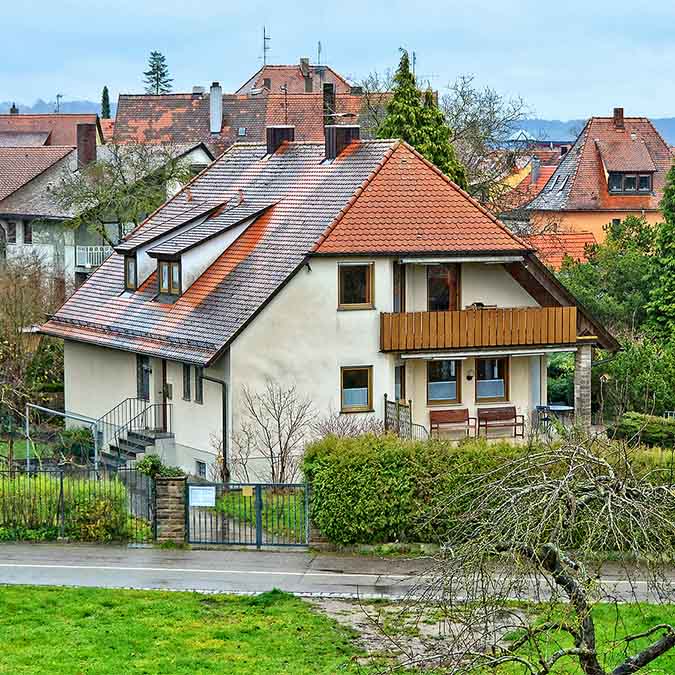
<point x="152" y="465"/>
<point x="647" y="429"/>
<point x="373" y="489"/>
<point x="76" y="442"/>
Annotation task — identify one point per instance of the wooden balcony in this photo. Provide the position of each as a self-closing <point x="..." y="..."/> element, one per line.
<point x="504" y="327"/>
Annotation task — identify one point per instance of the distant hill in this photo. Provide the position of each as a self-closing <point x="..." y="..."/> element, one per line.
<point x="41" y="106"/>
<point x="557" y="130"/>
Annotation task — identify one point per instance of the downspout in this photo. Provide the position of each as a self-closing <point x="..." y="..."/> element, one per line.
<point x="223" y="386"/>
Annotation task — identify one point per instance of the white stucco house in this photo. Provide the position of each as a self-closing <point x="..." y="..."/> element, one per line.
<point x="349" y="269"/>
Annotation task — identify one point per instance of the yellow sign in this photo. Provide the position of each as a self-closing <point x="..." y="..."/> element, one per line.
<point x="247" y="491"/>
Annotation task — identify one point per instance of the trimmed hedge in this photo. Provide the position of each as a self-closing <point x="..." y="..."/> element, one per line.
<point x="376" y="489"/>
<point x="648" y="429"/>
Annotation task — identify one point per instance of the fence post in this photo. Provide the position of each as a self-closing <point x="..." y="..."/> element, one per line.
<point x="62" y="509"/>
<point x="258" y="515"/>
<point x="386" y="414"/>
<point x="170" y="509"/>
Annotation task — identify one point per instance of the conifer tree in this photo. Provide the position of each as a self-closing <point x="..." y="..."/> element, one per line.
<point x="418" y="121"/>
<point x="157" y="80"/>
<point x="105" y="104"/>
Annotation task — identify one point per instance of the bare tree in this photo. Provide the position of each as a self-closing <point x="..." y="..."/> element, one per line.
<point x="534" y="529"/>
<point x="277" y="423"/>
<point x="376" y="92"/>
<point x="125" y="184"/>
<point x="337" y="424"/>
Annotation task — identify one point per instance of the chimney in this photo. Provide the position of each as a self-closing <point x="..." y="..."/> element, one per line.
<point x="13" y="110"/>
<point x="216" y="108"/>
<point x="618" y="118"/>
<point x="276" y="135"/>
<point x="86" y="144"/>
<point x="197" y="92"/>
<point x="339" y="136"/>
<point x="534" y="172"/>
<point x="304" y="67"/>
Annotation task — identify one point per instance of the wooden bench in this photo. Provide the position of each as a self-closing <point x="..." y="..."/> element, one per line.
<point x="501" y="418"/>
<point x="453" y="419"/>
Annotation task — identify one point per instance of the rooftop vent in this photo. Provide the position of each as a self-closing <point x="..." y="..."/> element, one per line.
<point x="276" y="135"/>
<point x="13" y="110"/>
<point x="216" y="108"/>
<point x="618" y="118"/>
<point x="339" y="136"/>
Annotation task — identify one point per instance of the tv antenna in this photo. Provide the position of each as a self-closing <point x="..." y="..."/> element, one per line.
<point x="318" y="53"/>
<point x="58" y="102"/>
<point x="266" y="45"/>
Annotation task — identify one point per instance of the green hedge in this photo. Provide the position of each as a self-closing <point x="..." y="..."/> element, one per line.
<point x="647" y="429"/>
<point x="376" y="489"/>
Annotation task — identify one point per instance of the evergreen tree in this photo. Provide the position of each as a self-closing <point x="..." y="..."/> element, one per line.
<point x="661" y="309"/>
<point x="157" y="80"/>
<point x="105" y="104"/>
<point x="418" y="121"/>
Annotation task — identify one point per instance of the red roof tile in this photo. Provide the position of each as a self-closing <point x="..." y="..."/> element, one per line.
<point x="409" y="206"/>
<point x="292" y="77"/>
<point x="19" y="166"/>
<point x="526" y="191"/>
<point x="107" y="129"/>
<point x="62" y="127"/>
<point x="627" y="154"/>
<point x="553" y="247"/>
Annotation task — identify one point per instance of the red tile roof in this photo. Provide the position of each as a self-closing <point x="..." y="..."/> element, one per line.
<point x="107" y="129"/>
<point x="292" y="77"/>
<point x="62" y="127"/>
<point x="409" y="206"/>
<point x="553" y="247"/>
<point x="19" y="166"/>
<point x="526" y="190"/>
<point x="580" y="182"/>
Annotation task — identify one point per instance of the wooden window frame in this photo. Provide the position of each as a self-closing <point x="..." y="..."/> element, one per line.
<point x="458" y="289"/>
<point x="127" y="260"/>
<point x="187" y="382"/>
<point x="399" y="287"/>
<point x="400" y="367"/>
<point x="170" y="289"/>
<point x="357" y="409"/>
<point x="370" y="287"/>
<point x="199" y="385"/>
<point x="507" y="380"/>
<point x="637" y="175"/>
<point x="440" y="402"/>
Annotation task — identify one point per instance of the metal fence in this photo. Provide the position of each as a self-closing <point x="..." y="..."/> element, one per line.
<point x="398" y="420"/>
<point x="76" y="503"/>
<point x="248" y="514"/>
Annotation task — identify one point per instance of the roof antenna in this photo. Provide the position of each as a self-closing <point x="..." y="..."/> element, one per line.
<point x="318" y="54"/>
<point x="266" y="46"/>
<point x="58" y="102"/>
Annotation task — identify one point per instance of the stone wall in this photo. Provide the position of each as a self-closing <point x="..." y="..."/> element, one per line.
<point x="582" y="386"/>
<point x="170" y="509"/>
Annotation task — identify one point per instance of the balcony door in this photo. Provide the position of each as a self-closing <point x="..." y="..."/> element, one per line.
<point x="442" y="287"/>
<point x="399" y="287"/>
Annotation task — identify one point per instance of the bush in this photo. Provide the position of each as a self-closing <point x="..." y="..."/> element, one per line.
<point x="374" y="489"/>
<point x="76" y="442"/>
<point x="152" y="465"/>
<point x="647" y="429"/>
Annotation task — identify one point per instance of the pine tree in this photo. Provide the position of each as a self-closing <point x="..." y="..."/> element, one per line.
<point x="661" y="309"/>
<point x="105" y="104"/>
<point x="157" y="80"/>
<point x="417" y="120"/>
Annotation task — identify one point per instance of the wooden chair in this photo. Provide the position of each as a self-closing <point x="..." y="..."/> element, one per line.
<point x="457" y="419"/>
<point x="501" y="418"/>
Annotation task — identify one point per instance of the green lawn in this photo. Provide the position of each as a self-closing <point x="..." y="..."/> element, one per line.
<point x="37" y="449"/>
<point x="101" y="632"/>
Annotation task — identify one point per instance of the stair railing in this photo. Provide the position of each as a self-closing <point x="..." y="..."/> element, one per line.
<point x="153" y="418"/>
<point x="108" y="424"/>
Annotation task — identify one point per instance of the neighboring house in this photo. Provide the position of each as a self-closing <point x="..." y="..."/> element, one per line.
<point x="218" y="120"/>
<point x="45" y="129"/>
<point x="554" y="247"/>
<point x="350" y="269"/>
<point x="616" y="167"/>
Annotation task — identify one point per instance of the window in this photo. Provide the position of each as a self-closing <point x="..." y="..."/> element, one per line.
<point x="187" y="388"/>
<point x="309" y="85"/>
<point x="143" y="377"/>
<point x="442" y="287"/>
<point x="492" y="380"/>
<point x="199" y="385"/>
<point x="399" y="382"/>
<point x="629" y="183"/>
<point x="169" y="277"/>
<point x="11" y="232"/>
<point x="27" y="232"/>
<point x="356" y="385"/>
<point x="443" y="381"/>
<point x="200" y="468"/>
<point x="355" y="286"/>
<point x="267" y="83"/>
<point x="399" y="287"/>
<point x="130" y="273"/>
<point x="241" y="131"/>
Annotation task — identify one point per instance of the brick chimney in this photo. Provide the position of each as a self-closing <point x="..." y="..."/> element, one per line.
<point x="86" y="144"/>
<point x="618" y="118"/>
<point x="13" y="110"/>
<point x="304" y="66"/>
<point x="534" y="172"/>
<point x="339" y="136"/>
<point x="276" y="135"/>
<point x="216" y="108"/>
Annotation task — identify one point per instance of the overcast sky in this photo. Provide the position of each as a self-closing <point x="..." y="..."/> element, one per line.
<point x="567" y="59"/>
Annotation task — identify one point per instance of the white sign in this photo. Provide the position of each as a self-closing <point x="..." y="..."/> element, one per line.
<point x="202" y="495"/>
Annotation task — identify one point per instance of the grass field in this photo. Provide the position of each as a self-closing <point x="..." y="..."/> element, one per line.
<point x="108" y="632"/>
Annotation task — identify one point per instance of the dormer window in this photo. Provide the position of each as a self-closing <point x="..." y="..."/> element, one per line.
<point x="629" y="183"/>
<point x="169" y="277"/>
<point x="130" y="275"/>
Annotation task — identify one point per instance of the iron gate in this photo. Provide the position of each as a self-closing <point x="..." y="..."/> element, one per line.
<point x="247" y="514"/>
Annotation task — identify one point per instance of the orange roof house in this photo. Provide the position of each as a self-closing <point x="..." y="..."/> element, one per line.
<point x="54" y="128"/>
<point x="553" y="247"/>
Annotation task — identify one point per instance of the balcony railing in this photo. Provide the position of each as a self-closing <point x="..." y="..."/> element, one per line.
<point x="478" y="328"/>
<point x="91" y="256"/>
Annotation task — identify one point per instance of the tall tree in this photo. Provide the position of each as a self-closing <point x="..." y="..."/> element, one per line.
<point x="417" y="120"/>
<point x="661" y="309"/>
<point x="105" y="104"/>
<point x="157" y="80"/>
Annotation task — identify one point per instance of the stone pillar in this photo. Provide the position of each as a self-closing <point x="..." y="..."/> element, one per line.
<point x="582" y="387"/>
<point x="170" y="509"/>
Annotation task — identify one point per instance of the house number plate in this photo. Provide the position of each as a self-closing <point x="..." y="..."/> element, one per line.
<point x="247" y="491"/>
<point x="202" y="495"/>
